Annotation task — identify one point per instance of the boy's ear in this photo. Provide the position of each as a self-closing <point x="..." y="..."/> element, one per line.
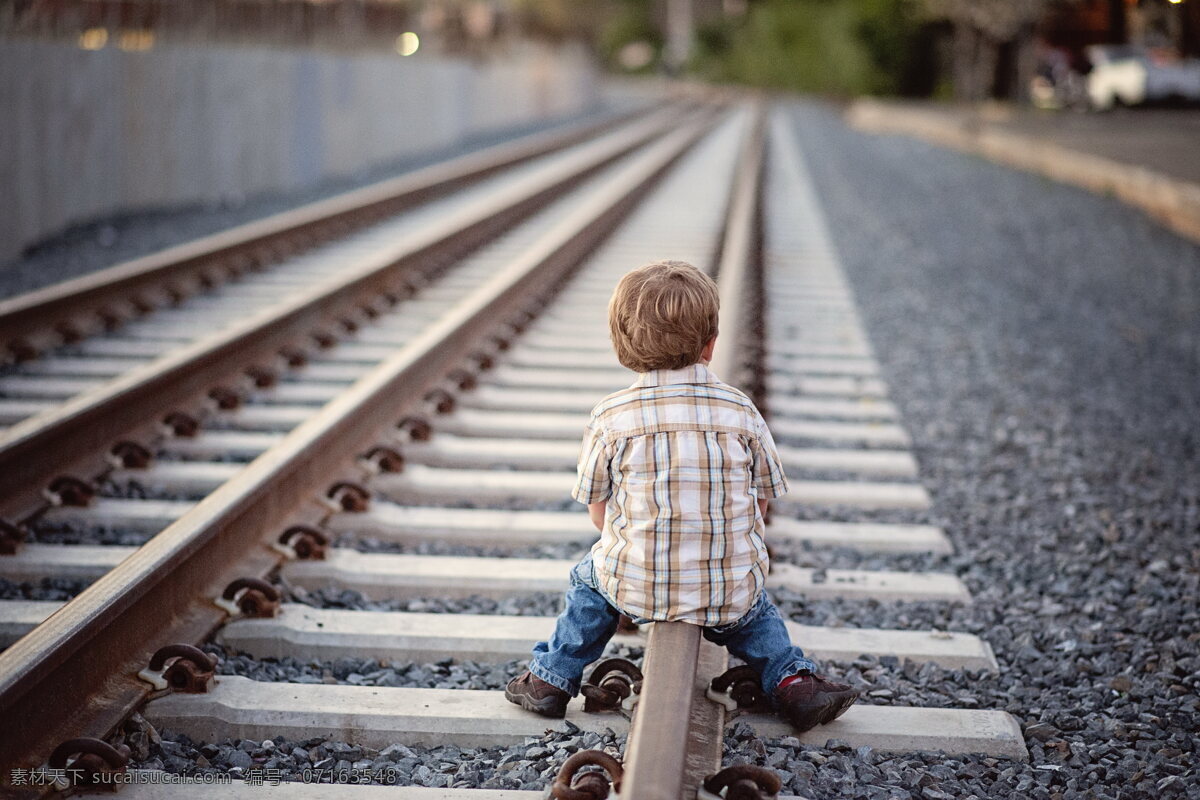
<point x="707" y="353"/>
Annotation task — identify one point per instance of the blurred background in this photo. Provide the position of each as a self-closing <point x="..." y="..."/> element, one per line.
<point x="111" y="106"/>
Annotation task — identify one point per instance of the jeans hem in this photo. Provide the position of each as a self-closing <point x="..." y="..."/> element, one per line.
<point x="790" y="670"/>
<point x="555" y="680"/>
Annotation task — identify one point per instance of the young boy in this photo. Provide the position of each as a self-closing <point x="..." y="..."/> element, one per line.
<point x="676" y="472"/>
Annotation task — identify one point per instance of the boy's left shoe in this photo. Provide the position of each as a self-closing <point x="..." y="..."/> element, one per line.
<point x="533" y="694"/>
<point x="807" y="700"/>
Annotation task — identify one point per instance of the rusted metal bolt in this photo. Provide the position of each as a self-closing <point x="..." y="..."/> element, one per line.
<point x="129" y="455"/>
<point x="250" y="597"/>
<point x="462" y="378"/>
<point x="20" y="350"/>
<point x="571" y="784"/>
<point x="110" y="319"/>
<point x="141" y="304"/>
<point x="417" y="428"/>
<point x="382" y="459"/>
<point x="263" y="377"/>
<point x="348" y="325"/>
<point x="181" y="668"/>
<point x="293" y="356"/>
<point x="441" y="400"/>
<point x="611" y="683"/>
<point x="739" y="688"/>
<point x="303" y="543"/>
<point x="177" y="423"/>
<point x="68" y="332"/>
<point x="347" y="496"/>
<point x="483" y="360"/>
<point x="501" y="343"/>
<point x="67" y="490"/>
<point x="521" y="320"/>
<point x="224" y="398"/>
<point x="11" y="536"/>
<point x="91" y="758"/>
<point x="324" y="339"/>
<point x="744" y="782"/>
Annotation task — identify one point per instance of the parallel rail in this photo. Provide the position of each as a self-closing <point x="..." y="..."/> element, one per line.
<point x="86" y="656"/>
<point x="75" y="673"/>
<point x="61" y="313"/>
<point x="124" y="408"/>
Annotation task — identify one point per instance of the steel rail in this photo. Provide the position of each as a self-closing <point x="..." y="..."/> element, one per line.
<point x="677" y="732"/>
<point x="32" y="451"/>
<point x="47" y="317"/>
<point x="77" y="671"/>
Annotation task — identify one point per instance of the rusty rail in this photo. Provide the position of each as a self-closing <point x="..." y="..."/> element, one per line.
<point x="76" y="673"/>
<point x="32" y="451"/>
<point x="676" y="738"/>
<point x="36" y="320"/>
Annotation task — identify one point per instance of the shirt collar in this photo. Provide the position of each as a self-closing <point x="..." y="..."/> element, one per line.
<point x="696" y="373"/>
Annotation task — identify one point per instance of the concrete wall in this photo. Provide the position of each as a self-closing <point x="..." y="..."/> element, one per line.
<point x="86" y="134"/>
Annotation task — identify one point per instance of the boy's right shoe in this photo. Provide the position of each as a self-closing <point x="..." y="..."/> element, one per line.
<point x="807" y="700"/>
<point x="533" y="694"/>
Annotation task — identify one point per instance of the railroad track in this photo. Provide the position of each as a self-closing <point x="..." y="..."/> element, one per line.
<point x="446" y="418"/>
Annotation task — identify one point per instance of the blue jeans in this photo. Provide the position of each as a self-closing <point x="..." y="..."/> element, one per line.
<point x="587" y="623"/>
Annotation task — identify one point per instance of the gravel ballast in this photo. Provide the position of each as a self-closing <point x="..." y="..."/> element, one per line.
<point x="1043" y="346"/>
<point x="529" y="765"/>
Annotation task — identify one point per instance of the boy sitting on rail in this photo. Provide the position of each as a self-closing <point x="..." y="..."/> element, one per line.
<point x="676" y="472"/>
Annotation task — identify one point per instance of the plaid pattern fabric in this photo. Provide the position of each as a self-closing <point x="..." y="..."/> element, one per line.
<point x="681" y="459"/>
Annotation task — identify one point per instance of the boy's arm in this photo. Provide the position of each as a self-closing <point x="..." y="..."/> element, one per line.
<point x="769" y="480"/>
<point x="596" y="512"/>
<point x="593" y="485"/>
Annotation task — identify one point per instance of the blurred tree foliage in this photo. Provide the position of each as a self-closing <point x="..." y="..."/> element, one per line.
<point x="840" y="47"/>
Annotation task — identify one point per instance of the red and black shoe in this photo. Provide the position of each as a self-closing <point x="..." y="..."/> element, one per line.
<point x="533" y="694"/>
<point x="807" y="700"/>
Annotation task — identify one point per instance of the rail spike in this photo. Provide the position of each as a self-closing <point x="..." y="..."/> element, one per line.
<point x="67" y="490"/>
<point x="249" y="597"/>
<point x="347" y="496"/>
<point x="181" y="668"/>
<point x="571" y="784"/>
<point x="302" y="543"/>
<point x="93" y="757"/>
<point x="739" y="689"/>
<point x="11" y="537"/>
<point x="745" y="782"/>
<point x="613" y="685"/>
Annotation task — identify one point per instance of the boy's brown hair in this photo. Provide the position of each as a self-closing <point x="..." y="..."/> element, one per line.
<point x="662" y="315"/>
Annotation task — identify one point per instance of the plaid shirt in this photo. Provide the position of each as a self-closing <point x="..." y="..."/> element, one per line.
<point x="681" y="459"/>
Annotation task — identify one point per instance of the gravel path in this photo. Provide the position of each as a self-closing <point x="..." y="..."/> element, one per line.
<point x="101" y="243"/>
<point x="1043" y="345"/>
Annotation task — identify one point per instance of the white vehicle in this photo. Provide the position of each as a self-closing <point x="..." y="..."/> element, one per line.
<point x="1133" y="75"/>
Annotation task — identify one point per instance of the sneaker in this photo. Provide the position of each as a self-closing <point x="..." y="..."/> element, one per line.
<point x="807" y="700"/>
<point x="534" y="694"/>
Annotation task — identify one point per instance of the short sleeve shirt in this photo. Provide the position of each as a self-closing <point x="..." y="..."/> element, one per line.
<point x="682" y="459"/>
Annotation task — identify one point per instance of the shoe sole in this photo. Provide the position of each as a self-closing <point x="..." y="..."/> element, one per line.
<point x="547" y="708"/>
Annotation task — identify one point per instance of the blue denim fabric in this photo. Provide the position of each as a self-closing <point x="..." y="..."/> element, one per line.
<point x="761" y="640"/>
<point x="580" y="634"/>
<point x="589" y="620"/>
